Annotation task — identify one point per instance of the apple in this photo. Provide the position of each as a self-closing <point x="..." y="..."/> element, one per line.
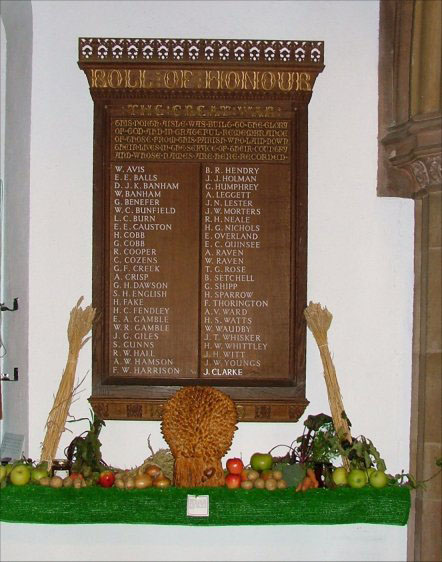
<point x="266" y="474"/>
<point x="38" y="473"/>
<point x="233" y="481"/>
<point x="378" y="479"/>
<point x="370" y="471"/>
<point x="261" y="461"/>
<point x="245" y="475"/>
<point x="340" y="476"/>
<point x="235" y="466"/>
<point x="3" y="472"/>
<point x="357" y="478"/>
<point x="20" y="475"/>
<point x="106" y="479"/>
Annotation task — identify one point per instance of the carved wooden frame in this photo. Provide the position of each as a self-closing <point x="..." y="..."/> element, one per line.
<point x="113" y="67"/>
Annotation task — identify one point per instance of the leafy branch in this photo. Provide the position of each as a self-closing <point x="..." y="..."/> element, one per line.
<point x="362" y="454"/>
<point x="317" y="444"/>
<point x="406" y="479"/>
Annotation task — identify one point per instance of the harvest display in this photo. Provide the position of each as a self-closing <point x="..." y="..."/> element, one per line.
<point x="198" y="425"/>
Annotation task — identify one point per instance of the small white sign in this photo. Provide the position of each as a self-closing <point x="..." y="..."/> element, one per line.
<point x="197" y="506"/>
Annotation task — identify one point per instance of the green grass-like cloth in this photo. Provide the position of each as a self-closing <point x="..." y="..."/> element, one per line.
<point x="37" y="504"/>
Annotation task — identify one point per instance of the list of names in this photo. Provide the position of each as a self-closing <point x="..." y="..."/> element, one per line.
<point x="149" y="217"/>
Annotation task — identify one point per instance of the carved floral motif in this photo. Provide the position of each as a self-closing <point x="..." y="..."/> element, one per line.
<point x="426" y="171"/>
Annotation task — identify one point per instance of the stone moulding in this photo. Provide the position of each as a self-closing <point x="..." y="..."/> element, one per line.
<point x="218" y="51"/>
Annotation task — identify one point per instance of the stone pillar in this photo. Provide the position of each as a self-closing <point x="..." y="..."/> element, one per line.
<point x="410" y="166"/>
<point x="425" y="439"/>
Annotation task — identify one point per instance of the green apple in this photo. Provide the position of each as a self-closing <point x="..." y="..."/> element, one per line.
<point x="3" y="472"/>
<point x="20" y="475"/>
<point x="378" y="479"/>
<point x="357" y="478"/>
<point x="38" y="473"/>
<point x="261" y="461"/>
<point x="370" y="471"/>
<point x="340" y="476"/>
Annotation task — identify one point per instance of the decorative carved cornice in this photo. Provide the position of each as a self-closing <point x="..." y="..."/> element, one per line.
<point x="412" y="156"/>
<point x="426" y="172"/>
<point x="145" y="409"/>
<point x="207" y="51"/>
<point x="409" y="98"/>
<point x="201" y="67"/>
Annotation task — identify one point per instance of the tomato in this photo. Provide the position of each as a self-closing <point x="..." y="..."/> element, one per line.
<point x="235" y="466"/>
<point x="106" y="479"/>
<point x="233" y="481"/>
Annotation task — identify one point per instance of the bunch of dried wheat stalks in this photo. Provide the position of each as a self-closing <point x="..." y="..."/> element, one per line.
<point x="318" y="321"/>
<point x="80" y="324"/>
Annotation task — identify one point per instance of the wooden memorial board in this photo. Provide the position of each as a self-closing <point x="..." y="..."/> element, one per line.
<point x="200" y="221"/>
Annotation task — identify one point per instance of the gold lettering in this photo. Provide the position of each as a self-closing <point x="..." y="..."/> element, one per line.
<point x="210" y="76"/>
<point x="146" y="82"/>
<point x="288" y="85"/>
<point x="268" y="80"/>
<point x="232" y="85"/>
<point x="305" y="81"/>
<point x="167" y="139"/>
<point x="128" y="83"/>
<point x="249" y="80"/>
<point x="99" y="79"/>
<point x="114" y="78"/>
<point x="186" y="77"/>
<point x="170" y="79"/>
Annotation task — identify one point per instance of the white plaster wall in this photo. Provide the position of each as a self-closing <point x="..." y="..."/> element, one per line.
<point x="16" y="76"/>
<point x="360" y="266"/>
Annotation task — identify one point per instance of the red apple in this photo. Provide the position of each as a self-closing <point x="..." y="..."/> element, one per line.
<point x="233" y="481"/>
<point x="235" y="466"/>
<point x="106" y="479"/>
